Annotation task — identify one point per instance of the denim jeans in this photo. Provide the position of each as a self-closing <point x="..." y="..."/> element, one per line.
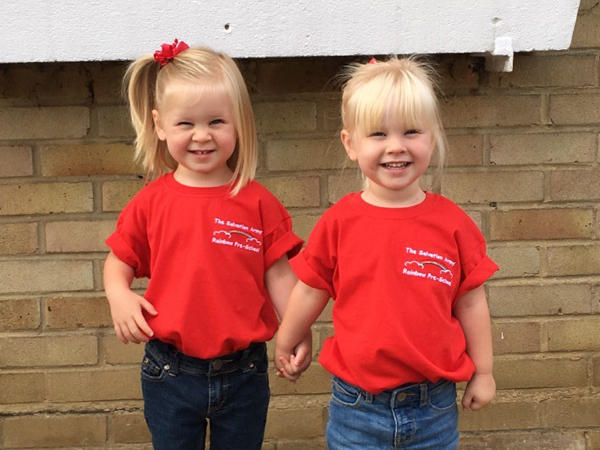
<point x="182" y="393"/>
<point x="415" y="416"/>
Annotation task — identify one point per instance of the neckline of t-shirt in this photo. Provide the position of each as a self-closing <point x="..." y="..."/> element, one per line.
<point x="393" y="213"/>
<point x="213" y="191"/>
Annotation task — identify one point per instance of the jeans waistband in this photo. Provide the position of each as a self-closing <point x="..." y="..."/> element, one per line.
<point x="406" y="393"/>
<point x="174" y="360"/>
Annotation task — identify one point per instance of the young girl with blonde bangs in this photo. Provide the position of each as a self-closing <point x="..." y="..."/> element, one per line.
<point x="215" y="247"/>
<point x="405" y="268"/>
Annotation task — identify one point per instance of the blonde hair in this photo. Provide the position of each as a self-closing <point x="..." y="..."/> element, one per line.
<point x="401" y="90"/>
<point x="145" y="84"/>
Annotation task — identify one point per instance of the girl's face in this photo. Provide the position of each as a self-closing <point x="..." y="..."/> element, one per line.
<point x="200" y="134"/>
<point x="393" y="158"/>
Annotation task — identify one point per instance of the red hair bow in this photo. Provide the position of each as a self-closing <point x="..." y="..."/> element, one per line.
<point x="169" y="51"/>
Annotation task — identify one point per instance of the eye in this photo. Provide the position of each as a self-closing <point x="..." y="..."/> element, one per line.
<point x="413" y="132"/>
<point x="184" y="124"/>
<point x="377" y="134"/>
<point x="216" y="121"/>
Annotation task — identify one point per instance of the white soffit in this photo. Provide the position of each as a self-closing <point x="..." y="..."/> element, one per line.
<point x="103" y="30"/>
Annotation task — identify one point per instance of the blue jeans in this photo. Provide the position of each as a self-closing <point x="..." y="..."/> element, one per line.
<point x="413" y="416"/>
<point x="181" y="393"/>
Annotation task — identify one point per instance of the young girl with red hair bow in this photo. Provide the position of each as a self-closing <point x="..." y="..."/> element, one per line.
<point x="215" y="246"/>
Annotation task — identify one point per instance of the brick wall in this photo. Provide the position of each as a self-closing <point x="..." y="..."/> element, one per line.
<point x="523" y="163"/>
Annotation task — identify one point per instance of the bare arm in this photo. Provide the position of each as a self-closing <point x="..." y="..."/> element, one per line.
<point x="125" y="305"/>
<point x="473" y="313"/>
<point x="280" y="280"/>
<point x="303" y="309"/>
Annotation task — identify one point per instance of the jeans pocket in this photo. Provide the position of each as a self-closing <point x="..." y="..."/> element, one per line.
<point x="152" y="370"/>
<point x="443" y="399"/>
<point x="344" y="393"/>
<point x="258" y="366"/>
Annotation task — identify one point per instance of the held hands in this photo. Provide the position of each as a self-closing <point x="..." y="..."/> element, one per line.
<point x="129" y="322"/>
<point x="291" y="363"/>
<point x="479" y="392"/>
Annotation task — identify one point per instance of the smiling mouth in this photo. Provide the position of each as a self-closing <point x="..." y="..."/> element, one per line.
<point x="395" y="165"/>
<point x="200" y="152"/>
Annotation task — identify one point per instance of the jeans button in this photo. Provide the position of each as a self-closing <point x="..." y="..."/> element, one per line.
<point x="217" y="364"/>
<point x="167" y="367"/>
<point x="401" y="396"/>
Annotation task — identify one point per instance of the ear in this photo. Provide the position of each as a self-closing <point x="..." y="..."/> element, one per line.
<point x="160" y="132"/>
<point x="346" y="138"/>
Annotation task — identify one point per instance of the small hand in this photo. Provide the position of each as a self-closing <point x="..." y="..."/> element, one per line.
<point x="479" y="392"/>
<point x="128" y="320"/>
<point x="291" y="364"/>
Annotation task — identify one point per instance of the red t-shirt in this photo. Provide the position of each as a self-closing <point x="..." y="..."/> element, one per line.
<point x="206" y="254"/>
<point x="395" y="274"/>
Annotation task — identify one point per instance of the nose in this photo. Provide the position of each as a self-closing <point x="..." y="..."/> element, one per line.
<point x="201" y="134"/>
<point x="396" y="144"/>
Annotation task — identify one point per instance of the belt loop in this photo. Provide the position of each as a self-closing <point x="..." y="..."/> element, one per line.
<point x="424" y="393"/>
<point x="173" y="363"/>
<point x="247" y="353"/>
<point x="368" y="396"/>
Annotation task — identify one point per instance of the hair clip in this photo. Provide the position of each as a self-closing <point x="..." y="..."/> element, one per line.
<point x="169" y="51"/>
<point x="372" y="61"/>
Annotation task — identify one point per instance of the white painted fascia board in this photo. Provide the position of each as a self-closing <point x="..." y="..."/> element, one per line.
<point x="104" y="30"/>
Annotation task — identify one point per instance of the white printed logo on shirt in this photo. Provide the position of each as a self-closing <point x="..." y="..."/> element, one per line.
<point x="430" y="266"/>
<point x="236" y="235"/>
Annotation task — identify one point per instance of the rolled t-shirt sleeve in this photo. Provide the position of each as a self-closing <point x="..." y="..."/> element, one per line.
<point x="129" y="242"/>
<point x="476" y="265"/>
<point x="279" y="239"/>
<point x="316" y="264"/>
